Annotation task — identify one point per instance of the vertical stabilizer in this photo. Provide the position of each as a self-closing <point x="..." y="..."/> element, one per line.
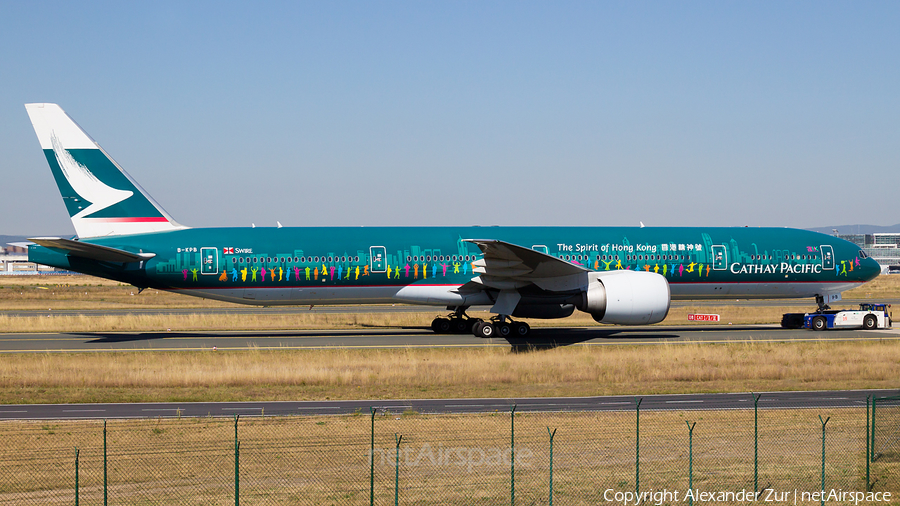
<point x="101" y="198"/>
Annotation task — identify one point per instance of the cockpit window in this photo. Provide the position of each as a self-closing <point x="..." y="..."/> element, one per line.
<point x="862" y="254"/>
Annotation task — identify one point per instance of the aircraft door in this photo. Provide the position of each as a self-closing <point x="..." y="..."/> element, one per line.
<point x="720" y="258"/>
<point x="827" y="257"/>
<point x="377" y="259"/>
<point x="209" y="260"/>
<point x="540" y="247"/>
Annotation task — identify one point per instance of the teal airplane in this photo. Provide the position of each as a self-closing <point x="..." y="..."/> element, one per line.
<point x="617" y="275"/>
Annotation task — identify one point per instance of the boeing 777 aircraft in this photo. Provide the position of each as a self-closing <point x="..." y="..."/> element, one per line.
<point x="618" y="275"/>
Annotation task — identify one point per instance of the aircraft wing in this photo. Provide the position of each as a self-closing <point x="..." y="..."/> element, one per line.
<point x="91" y="251"/>
<point x="507" y="266"/>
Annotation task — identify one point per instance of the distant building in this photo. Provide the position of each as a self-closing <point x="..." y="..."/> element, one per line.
<point x="884" y="248"/>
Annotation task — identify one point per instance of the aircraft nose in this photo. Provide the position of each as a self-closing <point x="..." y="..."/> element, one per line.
<point x="871" y="268"/>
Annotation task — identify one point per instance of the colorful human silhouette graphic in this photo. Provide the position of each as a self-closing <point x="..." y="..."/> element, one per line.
<point x="332" y="272"/>
<point x="665" y="269"/>
<point x="316" y="273"/>
<point x="424" y="271"/>
<point x="307" y="273"/>
<point x="397" y="272"/>
<point x="407" y="270"/>
<point x="281" y="273"/>
<point x="244" y="274"/>
<point x="389" y="272"/>
<point x="340" y="271"/>
<point x="618" y="264"/>
<point x="707" y="270"/>
<point x="455" y="267"/>
<point x="465" y="268"/>
<point x="224" y="276"/>
<point x="297" y="274"/>
<point x="262" y="273"/>
<point x="656" y="268"/>
<point x="691" y="267"/>
<point x="272" y="273"/>
<point x="681" y="269"/>
<point x="416" y="271"/>
<point x="234" y="274"/>
<point x="445" y="269"/>
<point x="253" y="272"/>
<point x="349" y="272"/>
<point x="184" y="272"/>
<point x="194" y="272"/>
<point x="365" y="270"/>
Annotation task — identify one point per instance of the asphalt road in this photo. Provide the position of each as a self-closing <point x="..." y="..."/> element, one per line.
<point x="768" y="400"/>
<point x="417" y="337"/>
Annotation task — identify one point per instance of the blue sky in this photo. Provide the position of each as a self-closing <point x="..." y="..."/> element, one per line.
<point x="462" y="113"/>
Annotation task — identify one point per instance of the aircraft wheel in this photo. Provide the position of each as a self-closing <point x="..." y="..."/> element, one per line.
<point x="818" y="323"/>
<point x="503" y="329"/>
<point x="458" y="326"/>
<point x="521" y="329"/>
<point x="487" y="330"/>
<point x="440" y="325"/>
<point x="870" y="322"/>
<point x="471" y="323"/>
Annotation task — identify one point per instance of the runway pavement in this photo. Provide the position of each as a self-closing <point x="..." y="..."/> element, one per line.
<point x="418" y="337"/>
<point x="768" y="400"/>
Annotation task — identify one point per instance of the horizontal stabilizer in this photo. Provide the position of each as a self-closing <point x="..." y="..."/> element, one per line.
<point x="91" y="251"/>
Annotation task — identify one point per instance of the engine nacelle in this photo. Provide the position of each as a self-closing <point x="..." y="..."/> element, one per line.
<point x="543" y="311"/>
<point x="626" y="297"/>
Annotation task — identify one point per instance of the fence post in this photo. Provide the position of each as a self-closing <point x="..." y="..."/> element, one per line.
<point x="868" y="445"/>
<point x="823" y="456"/>
<point x="372" y="461"/>
<point x="756" y="443"/>
<point x="690" y="460"/>
<point x="512" y="455"/>
<point x="872" y="437"/>
<point x="397" y="470"/>
<point x="552" y="434"/>
<point x="76" y="476"/>
<point x="637" y="446"/>
<point x="237" y="466"/>
<point x="105" y="483"/>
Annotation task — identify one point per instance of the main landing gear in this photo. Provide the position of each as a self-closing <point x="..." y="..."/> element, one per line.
<point x="460" y="323"/>
<point x="499" y="327"/>
<point x="457" y="322"/>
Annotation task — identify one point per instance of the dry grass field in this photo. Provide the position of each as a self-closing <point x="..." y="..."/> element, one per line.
<point x="445" y="372"/>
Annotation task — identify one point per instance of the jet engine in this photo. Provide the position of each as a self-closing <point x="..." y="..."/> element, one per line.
<point x="626" y="297"/>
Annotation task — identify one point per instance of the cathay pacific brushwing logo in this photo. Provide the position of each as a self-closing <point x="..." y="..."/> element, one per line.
<point x="85" y="183"/>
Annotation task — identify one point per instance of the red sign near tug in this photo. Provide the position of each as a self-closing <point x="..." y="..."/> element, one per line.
<point x="703" y="317"/>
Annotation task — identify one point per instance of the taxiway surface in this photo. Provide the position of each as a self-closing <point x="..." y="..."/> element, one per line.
<point x="418" y="337"/>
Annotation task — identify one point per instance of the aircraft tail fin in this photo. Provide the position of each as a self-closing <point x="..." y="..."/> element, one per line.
<point x="102" y="199"/>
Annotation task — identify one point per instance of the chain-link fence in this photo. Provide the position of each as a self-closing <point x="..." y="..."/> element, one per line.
<point x="886" y="429"/>
<point x="504" y="457"/>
